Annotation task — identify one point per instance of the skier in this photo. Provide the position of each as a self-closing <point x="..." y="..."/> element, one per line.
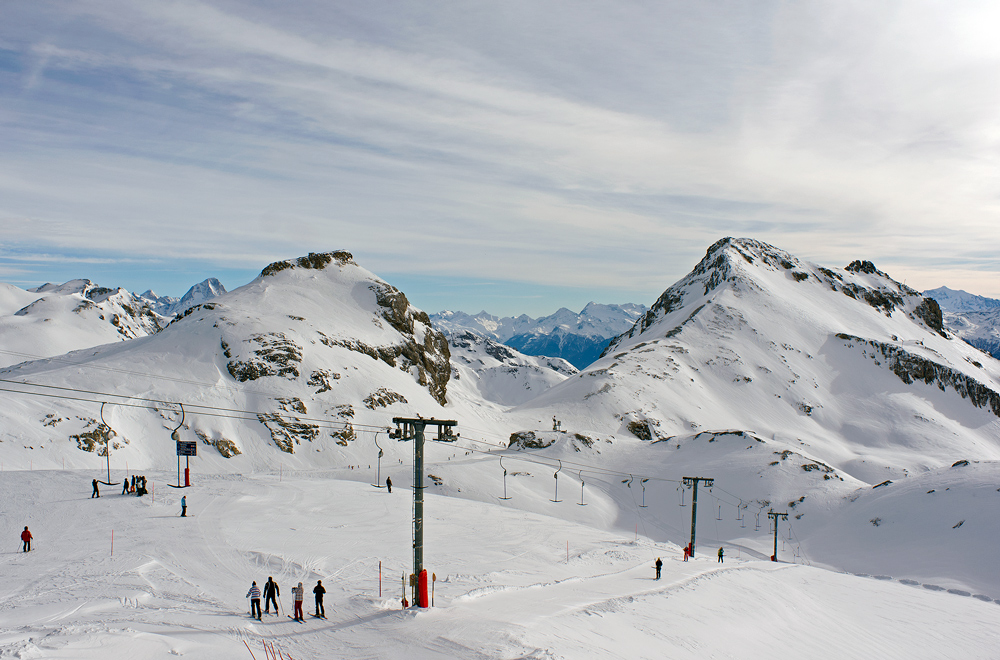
<point x="270" y="592"/>
<point x="26" y="537"/>
<point x="297" y="597"/>
<point x="96" y="492"/>
<point x="254" y="596"/>
<point x="659" y="565"/>
<point x="687" y="551"/>
<point x="721" y="554"/>
<point x="125" y="487"/>
<point x="132" y="487"/>
<point x="388" y="483"/>
<point x="184" y="506"/>
<point x="319" y="590"/>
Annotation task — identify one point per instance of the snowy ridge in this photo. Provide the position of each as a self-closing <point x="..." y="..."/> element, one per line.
<point x="487" y="369"/>
<point x="53" y="319"/>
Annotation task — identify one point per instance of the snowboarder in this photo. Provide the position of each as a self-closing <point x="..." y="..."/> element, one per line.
<point x="96" y="493"/>
<point x="319" y="590"/>
<point x="659" y="565"/>
<point x="254" y="596"/>
<point x="297" y="598"/>
<point x="184" y="506"/>
<point x="388" y="483"/>
<point x="270" y="593"/>
<point x="721" y="554"/>
<point x="132" y="487"/>
<point x="26" y="537"/>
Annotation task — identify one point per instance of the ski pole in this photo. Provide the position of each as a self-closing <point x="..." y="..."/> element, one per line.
<point x="248" y="649"/>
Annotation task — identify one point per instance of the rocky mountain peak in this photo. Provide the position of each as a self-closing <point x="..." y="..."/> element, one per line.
<point x="315" y="261"/>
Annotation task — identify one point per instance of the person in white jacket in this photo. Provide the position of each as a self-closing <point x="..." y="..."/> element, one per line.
<point x="297" y="597"/>
<point x="254" y="596"/>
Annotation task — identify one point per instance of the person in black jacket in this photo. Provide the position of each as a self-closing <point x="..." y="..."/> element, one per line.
<point x="96" y="492"/>
<point x="319" y="590"/>
<point x="659" y="565"/>
<point x="271" y="593"/>
<point x="388" y="483"/>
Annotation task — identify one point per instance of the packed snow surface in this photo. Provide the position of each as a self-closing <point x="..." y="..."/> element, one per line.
<point x="510" y="584"/>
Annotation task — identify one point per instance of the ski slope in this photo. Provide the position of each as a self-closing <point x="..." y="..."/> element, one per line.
<point x="507" y="585"/>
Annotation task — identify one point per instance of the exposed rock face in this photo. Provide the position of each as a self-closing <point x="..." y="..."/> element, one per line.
<point x="910" y="368"/>
<point x="317" y="261"/>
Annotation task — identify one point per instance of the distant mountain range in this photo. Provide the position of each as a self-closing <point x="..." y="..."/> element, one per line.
<point x="976" y="319"/>
<point x="199" y="293"/>
<point x="578" y="338"/>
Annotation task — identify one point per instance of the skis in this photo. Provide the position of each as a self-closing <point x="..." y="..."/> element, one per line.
<point x="294" y="619"/>
<point x="317" y="616"/>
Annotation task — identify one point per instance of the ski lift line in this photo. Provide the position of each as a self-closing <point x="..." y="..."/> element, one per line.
<point x="212" y="411"/>
<point x="201" y="407"/>
<point x="587" y="468"/>
<point x="217" y="411"/>
<point x="209" y="412"/>
<point x="172" y="379"/>
<point x="590" y="468"/>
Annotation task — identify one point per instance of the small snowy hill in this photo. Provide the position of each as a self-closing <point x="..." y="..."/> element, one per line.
<point x="312" y="346"/>
<point x="579" y="338"/>
<point x="53" y="319"/>
<point x="484" y="368"/>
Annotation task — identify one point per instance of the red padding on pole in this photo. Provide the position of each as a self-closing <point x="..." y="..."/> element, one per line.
<point x="422" y="589"/>
<point x="187" y="476"/>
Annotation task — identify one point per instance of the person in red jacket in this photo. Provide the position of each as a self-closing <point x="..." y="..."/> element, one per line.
<point x="26" y="537"/>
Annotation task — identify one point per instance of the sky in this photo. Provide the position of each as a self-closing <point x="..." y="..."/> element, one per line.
<point x="515" y="157"/>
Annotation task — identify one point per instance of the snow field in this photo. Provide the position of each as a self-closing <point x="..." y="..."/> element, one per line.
<point x="505" y="588"/>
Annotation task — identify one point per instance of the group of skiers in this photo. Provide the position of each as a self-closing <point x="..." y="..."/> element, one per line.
<point x="687" y="555"/>
<point x="136" y="487"/>
<point x="271" y="593"/>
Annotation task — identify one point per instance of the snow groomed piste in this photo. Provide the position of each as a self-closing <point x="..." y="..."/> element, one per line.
<point x="505" y="588"/>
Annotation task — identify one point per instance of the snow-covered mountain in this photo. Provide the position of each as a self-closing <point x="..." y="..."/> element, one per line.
<point x="53" y="319"/>
<point x="796" y="382"/>
<point x="976" y="319"/>
<point x="834" y="395"/>
<point x="980" y="329"/>
<point x="579" y="338"/>
<point x="312" y="345"/>
<point x="757" y="339"/>
<point x="951" y="300"/>
<point x="196" y="295"/>
<point x="484" y="368"/>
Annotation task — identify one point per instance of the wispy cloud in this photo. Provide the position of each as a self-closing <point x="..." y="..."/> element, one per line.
<point x="604" y="145"/>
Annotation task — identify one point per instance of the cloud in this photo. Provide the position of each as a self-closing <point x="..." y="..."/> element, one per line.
<point x="606" y="144"/>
